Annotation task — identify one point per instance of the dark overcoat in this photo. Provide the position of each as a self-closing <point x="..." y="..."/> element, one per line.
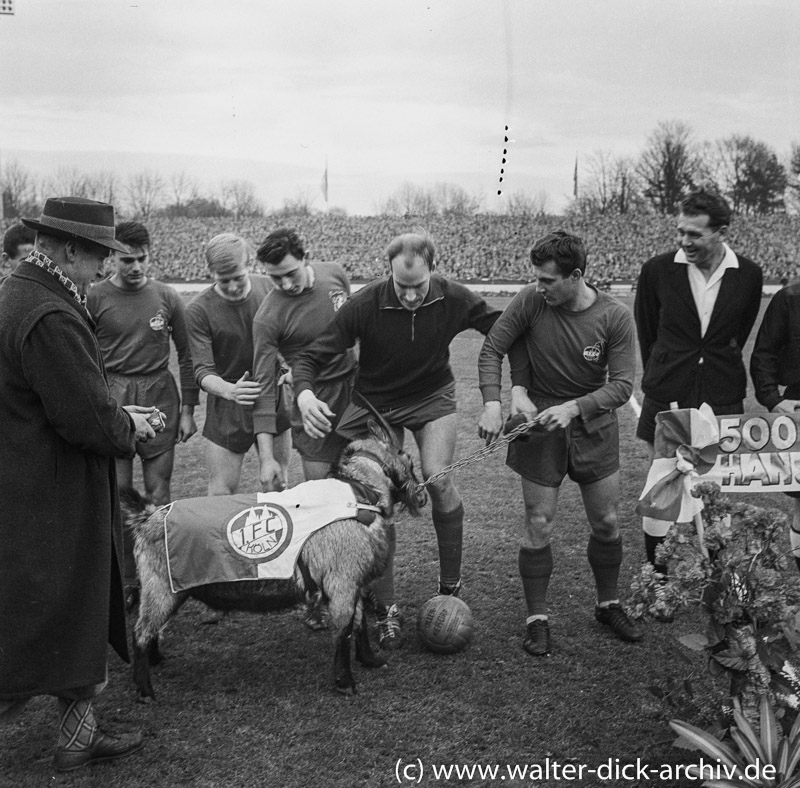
<point x="61" y="596"/>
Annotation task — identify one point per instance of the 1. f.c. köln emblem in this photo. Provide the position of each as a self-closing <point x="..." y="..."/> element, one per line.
<point x="338" y="297"/>
<point x="595" y="354"/>
<point x="261" y="532"/>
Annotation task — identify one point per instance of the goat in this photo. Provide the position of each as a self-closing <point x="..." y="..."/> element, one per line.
<point x="339" y="562"/>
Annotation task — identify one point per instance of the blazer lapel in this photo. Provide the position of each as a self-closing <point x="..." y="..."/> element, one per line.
<point x="728" y="288"/>
<point x="679" y="282"/>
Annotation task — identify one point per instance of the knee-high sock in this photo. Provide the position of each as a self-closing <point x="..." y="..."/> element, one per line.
<point x="76" y="725"/>
<point x="449" y="527"/>
<point x="605" y="558"/>
<point x="383" y="587"/>
<point x="535" y="568"/>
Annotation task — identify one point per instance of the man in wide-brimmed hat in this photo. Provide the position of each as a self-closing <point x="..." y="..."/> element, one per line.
<point x="61" y="597"/>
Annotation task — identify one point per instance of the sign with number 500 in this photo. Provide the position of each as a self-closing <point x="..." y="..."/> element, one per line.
<point x="767" y="432"/>
<point x="757" y="453"/>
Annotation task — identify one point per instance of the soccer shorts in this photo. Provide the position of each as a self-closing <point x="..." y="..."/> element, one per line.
<point x="646" y="428"/>
<point x="230" y="425"/>
<point x="336" y="394"/>
<point x="586" y="451"/>
<point x="157" y="390"/>
<point x="413" y="417"/>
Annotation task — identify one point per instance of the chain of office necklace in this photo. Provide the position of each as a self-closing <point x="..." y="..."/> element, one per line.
<point x="481" y="453"/>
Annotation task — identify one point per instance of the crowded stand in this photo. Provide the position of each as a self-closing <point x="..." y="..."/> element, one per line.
<point x="482" y="247"/>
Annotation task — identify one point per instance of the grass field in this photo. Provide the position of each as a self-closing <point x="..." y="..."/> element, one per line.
<point x="249" y="702"/>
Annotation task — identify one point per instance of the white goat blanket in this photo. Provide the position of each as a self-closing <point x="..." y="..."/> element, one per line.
<point x="228" y="538"/>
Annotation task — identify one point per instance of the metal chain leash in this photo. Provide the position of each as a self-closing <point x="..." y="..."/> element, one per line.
<point x="481" y="453"/>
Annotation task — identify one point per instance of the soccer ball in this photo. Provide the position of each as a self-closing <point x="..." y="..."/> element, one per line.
<point x="445" y="624"/>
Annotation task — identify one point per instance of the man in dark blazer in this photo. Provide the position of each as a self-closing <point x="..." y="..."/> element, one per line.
<point x="775" y="370"/>
<point x="61" y="600"/>
<point x="694" y="310"/>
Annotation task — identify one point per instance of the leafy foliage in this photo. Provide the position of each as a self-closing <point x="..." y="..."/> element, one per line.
<point x="770" y="759"/>
<point x="752" y="605"/>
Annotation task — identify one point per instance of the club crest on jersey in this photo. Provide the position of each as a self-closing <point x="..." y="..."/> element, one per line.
<point x="595" y="353"/>
<point x="338" y="297"/>
<point x="159" y="322"/>
<point x="260" y="532"/>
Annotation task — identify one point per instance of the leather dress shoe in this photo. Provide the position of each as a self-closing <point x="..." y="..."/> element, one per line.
<point x="104" y="748"/>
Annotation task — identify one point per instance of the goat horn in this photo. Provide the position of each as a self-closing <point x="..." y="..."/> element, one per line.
<point x="360" y="400"/>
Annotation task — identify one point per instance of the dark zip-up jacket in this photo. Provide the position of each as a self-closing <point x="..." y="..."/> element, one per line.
<point x="403" y="355"/>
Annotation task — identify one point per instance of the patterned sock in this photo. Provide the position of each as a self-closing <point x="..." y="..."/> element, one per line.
<point x="449" y="527"/>
<point x="76" y="724"/>
<point x="605" y="558"/>
<point x="383" y="587"/>
<point x="535" y="568"/>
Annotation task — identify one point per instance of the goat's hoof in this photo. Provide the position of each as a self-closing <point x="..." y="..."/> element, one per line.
<point x="145" y="698"/>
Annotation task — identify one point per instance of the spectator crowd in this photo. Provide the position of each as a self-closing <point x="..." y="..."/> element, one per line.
<point x="483" y="247"/>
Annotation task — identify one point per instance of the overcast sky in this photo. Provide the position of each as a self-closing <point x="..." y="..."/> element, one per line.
<point x="387" y="92"/>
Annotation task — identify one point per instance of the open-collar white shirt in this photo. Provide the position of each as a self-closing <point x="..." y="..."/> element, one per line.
<point x="704" y="291"/>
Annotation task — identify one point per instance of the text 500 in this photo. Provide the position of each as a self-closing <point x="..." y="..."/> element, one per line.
<point x="773" y="432"/>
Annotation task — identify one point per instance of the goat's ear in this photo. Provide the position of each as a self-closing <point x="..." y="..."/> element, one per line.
<point x="378" y="432"/>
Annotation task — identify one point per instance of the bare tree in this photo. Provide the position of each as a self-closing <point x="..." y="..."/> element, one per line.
<point x="598" y="187"/>
<point x="411" y="200"/>
<point x="426" y="203"/>
<point x="750" y="175"/>
<point x="626" y="187"/>
<point x="766" y="180"/>
<point x="183" y="189"/>
<point x="239" y="197"/>
<point x="18" y="188"/>
<point x="403" y="201"/>
<point x="103" y="186"/>
<point x="793" y="191"/>
<point x="69" y="181"/>
<point x="668" y="165"/>
<point x="144" y="190"/>
<point x="611" y="184"/>
<point x="521" y="203"/>
<point x="302" y="204"/>
<point x="454" y="200"/>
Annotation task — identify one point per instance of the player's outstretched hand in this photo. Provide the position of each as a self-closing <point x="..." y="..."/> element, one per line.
<point x="316" y="414"/>
<point x="270" y="475"/>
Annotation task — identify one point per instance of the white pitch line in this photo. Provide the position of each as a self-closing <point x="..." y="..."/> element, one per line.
<point x="635" y="406"/>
